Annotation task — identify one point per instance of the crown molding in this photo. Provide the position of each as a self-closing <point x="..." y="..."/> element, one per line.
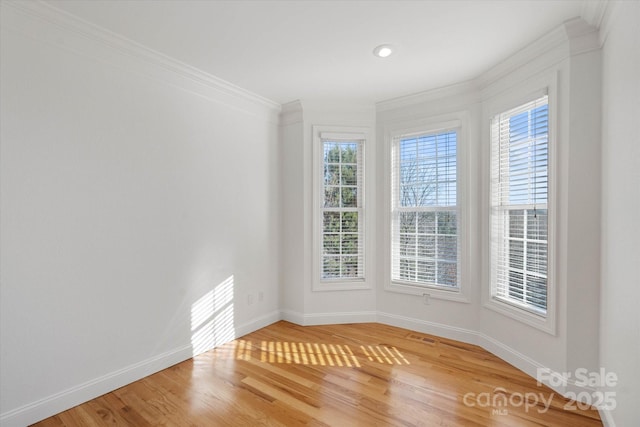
<point x="458" y="89"/>
<point x="582" y="36"/>
<point x="593" y="11"/>
<point x="80" y="27"/>
<point x="608" y="16"/>
<point x="291" y="113"/>
<point x="550" y="42"/>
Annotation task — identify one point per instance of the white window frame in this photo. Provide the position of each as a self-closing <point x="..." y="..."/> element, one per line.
<point x="451" y="122"/>
<point x="532" y="90"/>
<point x="338" y="133"/>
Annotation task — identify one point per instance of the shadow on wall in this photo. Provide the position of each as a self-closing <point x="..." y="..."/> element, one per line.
<point x="212" y="321"/>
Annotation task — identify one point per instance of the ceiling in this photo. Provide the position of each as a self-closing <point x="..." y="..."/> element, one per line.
<point x="322" y="50"/>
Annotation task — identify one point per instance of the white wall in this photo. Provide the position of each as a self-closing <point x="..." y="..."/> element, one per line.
<point x="620" y="292"/>
<point x="129" y="191"/>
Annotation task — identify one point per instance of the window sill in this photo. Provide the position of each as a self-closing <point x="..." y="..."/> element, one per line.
<point x="434" y="292"/>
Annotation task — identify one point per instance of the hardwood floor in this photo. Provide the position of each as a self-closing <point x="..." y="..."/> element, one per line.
<point x="334" y="375"/>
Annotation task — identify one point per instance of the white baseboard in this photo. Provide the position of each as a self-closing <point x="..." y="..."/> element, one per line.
<point x="292" y="316"/>
<point x="81" y="393"/>
<point x="606" y="417"/>
<point x="427" y="327"/>
<point x="66" y="399"/>
<point x="339" y="318"/>
<point x="258" y="323"/>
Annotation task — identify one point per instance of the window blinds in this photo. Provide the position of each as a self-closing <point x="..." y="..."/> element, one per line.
<point x="519" y="198"/>
<point x="342" y="209"/>
<point x="425" y="217"/>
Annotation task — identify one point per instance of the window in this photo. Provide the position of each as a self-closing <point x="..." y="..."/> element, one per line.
<point x="519" y="206"/>
<point x="339" y="204"/>
<point x="424" y="228"/>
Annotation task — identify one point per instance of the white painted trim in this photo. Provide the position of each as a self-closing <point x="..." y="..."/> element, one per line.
<point x="292" y="316"/>
<point x="608" y="17"/>
<point x="538" y="48"/>
<point x="291" y="113"/>
<point x="607" y="417"/>
<point x="58" y="402"/>
<point x="66" y="31"/>
<point x="464" y="89"/>
<point x="582" y="36"/>
<point x="593" y="11"/>
<point x="258" y="323"/>
<point x="339" y="318"/>
<point x="428" y="327"/>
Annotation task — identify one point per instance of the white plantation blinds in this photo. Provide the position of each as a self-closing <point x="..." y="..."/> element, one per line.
<point x="342" y="222"/>
<point x="519" y="212"/>
<point x="425" y="213"/>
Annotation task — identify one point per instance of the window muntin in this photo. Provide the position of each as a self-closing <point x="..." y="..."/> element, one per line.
<point x="342" y="233"/>
<point x="425" y="238"/>
<point x="519" y="206"/>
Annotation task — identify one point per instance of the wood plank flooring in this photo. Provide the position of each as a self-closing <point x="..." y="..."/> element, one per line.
<point x="334" y="375"/>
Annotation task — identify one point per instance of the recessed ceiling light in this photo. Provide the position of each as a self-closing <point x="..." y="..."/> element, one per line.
<point x="383" y="51"/>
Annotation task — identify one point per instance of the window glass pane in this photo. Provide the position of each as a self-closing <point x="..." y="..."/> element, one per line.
<point x="407" y="269"/>
<point x="331" y="153"/>
<point x="537" y="291"/>
<point x="331" y="267"/>
<point x="350" y="244"/>
<point x="331" y="174"/>
<point x="516" y="223"/>
<point x="426" y="246"/>
<point x="349" y="153"/>
<point x="537" y="224"/>
<point x="331" y="244"/>
<point x="349" y="197"/>
<point x="350" y="222"/>
<point x="426" y="271"/>
<point x="350" y="266"/>
<point x="516" y="285"/>
<point x="447" y="248"/>
<point x="407" y="245"/>
<point x="537" y="257"/>
<point x="331" y="223"/>
<point x="348" y="175"/>
<point x="516" y="254"/>
<point x="427" y="222"/>
<point x="447" y="273"/>
<point x="407" y="222"/>
<point x="331" y="197"/>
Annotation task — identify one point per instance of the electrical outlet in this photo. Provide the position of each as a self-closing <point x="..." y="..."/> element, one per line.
<point x="250" y="299"/>
<point x="426" y="299"/>
<point x="260" y="296"/>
